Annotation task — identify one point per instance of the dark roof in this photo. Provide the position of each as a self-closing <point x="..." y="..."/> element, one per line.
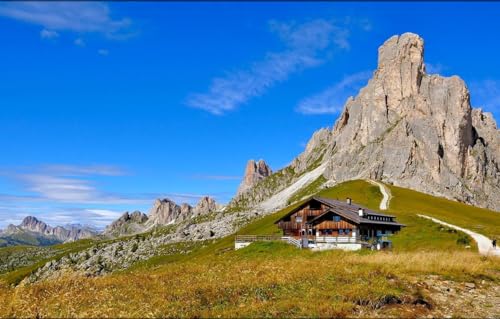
<point x="348" y="211"/>
<point x="348" y="207"/>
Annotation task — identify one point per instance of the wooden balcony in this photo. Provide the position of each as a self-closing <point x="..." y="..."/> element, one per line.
<point x="289" y="225"/>
<point x="253" y="238"/>
<point x="336" y="239"/>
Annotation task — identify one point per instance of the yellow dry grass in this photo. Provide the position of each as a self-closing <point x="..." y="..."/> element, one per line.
<point x="265" y="279"/>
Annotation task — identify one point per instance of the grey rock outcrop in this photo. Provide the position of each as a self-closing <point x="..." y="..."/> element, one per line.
<point x="167" y="212"/>
<point x="127" y="224"/>
<point x="407" y="128"/>
<point x="206" y="205"/>
<point x="254" y="172"/>
<point x="164" y="212"/>
<point x="417" y="131"/>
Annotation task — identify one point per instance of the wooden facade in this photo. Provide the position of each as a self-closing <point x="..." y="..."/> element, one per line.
<point x="325" y="217"/>
<point x="296" y="224"/>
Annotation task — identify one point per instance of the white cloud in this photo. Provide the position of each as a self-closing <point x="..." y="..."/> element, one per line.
<point x="67" y="183"/>
<point x="436" y="68"/>
<point x="103" y="52"/>
<point x="62" y="169"/>
<point x="59" y="188"/>
<point x="44" y="189"/>
<point x="486" y="94"/>
<point x="305" y="44"/>
<point x="332" y="99"/>
<point x="67" y="16"/>
<point x="48" y="34"/>
<point x="79" y="42"/>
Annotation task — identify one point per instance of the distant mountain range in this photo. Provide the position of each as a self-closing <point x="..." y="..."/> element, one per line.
<point x="35" y="232"/>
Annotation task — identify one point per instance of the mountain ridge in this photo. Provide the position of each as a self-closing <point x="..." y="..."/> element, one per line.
<point x="406" y="128"/>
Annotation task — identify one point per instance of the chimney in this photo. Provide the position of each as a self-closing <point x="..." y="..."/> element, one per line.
<point x="361" y="212"/>
<point x="349" y="201"/>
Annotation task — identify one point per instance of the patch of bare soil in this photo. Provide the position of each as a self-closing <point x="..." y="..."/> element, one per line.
<point x="435" y="297"/>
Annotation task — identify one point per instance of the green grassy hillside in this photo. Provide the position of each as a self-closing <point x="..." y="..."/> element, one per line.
<point x="276" y="279"/>
<point x="27" y="238"/>
<point x="418" y="235"/>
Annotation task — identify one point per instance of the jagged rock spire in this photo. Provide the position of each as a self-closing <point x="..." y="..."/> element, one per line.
<point x="254" y="172"/>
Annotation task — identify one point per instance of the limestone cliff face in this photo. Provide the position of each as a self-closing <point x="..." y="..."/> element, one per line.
<point x="408" y="128"/>
<point x="254" y="172"/>
<point x="166" y="211"/>
<point x="417" y="131"/>
<point x="206" y="205"/>
<point x="127" y="224"/>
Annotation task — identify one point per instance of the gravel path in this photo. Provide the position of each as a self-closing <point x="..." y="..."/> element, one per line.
<point x="386" y="193"/>
<point x="483" y="243"/>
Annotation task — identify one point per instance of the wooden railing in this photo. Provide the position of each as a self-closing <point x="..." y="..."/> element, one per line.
<point x="337" y="239"/>
<point x="252" y="238"/>
<point x="293" y="241"/>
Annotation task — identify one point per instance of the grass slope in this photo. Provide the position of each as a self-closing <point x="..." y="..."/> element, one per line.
<point x="275" y="279"/>
<point x="480" y="220"/>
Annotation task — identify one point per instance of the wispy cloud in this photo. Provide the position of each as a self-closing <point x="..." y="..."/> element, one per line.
<point x="66" y="183"/>
<point x="48" y="34"/>
<point x="486" y="94"/>
<point x="63" y="169"/>
<point x="79" y="42"/>
<point x="103" y="52"/>
<point x="305" y="47"/>
<point x="68" y="16"/>
<point x="434" y="68"/>
<point x="332" y="99"/>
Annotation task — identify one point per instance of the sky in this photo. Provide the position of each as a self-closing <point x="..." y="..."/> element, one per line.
<point x="106" y="106"/>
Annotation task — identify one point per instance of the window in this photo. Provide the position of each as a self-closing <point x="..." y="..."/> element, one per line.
<point x="298" y="219"/>
<point x="347" y="231"/>
<point x="341" y="232"/>
<point x="336" y="218"/>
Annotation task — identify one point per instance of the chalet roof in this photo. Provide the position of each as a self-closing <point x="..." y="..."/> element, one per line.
<point x="348" y="207"/>
<point x="348" y="211"/>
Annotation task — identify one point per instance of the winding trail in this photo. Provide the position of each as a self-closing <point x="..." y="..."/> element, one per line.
<point x="386" y="193"/>
<point x="483" y="243"/>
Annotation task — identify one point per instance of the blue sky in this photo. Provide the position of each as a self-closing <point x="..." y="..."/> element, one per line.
<point x="106" y="106"/>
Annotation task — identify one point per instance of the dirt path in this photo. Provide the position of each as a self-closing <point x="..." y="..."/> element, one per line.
<point x="386" y="193"/>
<point x="483" y="243"/>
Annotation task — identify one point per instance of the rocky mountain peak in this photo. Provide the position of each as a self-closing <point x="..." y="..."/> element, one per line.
<point x="405" y="127"/>
<point x="31" y="223"/>
<point x="401" y="65"/>
<point x="164" y="211"/>
<point x="417" y="131"/>
<point x="127" y="224"/>
<point x="206" y="205"/>
<point x="254" y="172"/>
